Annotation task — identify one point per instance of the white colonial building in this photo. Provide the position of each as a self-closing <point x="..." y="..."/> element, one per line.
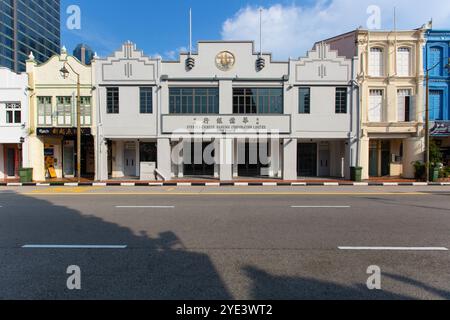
<point x="14" y="124"/>
<point x="128" y="93"/>
<point x="225" y="112"/>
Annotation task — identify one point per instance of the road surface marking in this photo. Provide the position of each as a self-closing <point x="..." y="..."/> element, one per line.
<point x="318" y="207"/>
<point x="150" y="207"/>
<point x="396" y="248"/>
<point x="44" y="246"/>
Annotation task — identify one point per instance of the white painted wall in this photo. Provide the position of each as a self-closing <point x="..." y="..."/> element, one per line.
<point x="13" y="88"/>
<point x="322" y="123"/>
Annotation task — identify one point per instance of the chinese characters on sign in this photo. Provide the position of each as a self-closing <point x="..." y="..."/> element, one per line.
<point x="70" y="132"/>
<point x="226" y="124"/>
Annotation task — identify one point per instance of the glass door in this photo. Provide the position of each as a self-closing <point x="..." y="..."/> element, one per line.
<point x="307" y="160"/>
<point x="69" y="159"/>
<point x="10" y="162"/>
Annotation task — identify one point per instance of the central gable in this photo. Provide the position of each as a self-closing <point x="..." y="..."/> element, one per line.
<point x="322" y="66"/>
<point x="225" y="59"/>
<point x="128" y="65"/>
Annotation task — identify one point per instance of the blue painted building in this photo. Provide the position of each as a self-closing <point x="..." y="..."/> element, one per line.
<point x="437" y="52"/>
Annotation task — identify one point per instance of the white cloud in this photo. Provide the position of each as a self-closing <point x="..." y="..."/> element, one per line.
<point x="173" y="54"/>
<point x="291" y="30"/>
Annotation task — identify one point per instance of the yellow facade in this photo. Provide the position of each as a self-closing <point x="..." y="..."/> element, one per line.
<point x="390" y="145"/>
<point x="46" y="80"/>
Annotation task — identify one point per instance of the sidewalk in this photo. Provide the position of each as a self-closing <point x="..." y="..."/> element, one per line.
<point x="238" y="182"/>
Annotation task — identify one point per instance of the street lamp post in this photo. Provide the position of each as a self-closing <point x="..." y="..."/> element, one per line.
<point x="427" y="118"/>
<point x="65" y="74"/>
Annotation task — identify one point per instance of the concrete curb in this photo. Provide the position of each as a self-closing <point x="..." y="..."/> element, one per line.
<point x="224" y="184"/>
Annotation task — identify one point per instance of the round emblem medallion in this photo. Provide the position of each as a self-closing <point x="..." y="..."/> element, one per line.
<point x="225" y="60"/>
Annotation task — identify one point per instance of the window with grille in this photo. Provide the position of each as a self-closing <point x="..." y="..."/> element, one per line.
<point x="403" y="62"/>
<point x="112" y="100"/>
<point x="341" y="100"/>
<point x="257" y="100"/>
<point x="13" y="113"/>
<point x="375" y="105"/>
<point x="304" y="106"/>
<point x="435" y="59"/>
<point x="436" y="105"/>
<point x="44" y="111"/>
<point x="146" y="100"/>
<point x="86" y="111"/>
<point x="376" y="62"/>
<point x="194" y="100"/>
<point x="64" y="111"/>
<point x="404" y="103"/>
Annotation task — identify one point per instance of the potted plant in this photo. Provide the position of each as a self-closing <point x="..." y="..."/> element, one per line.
<point x="419" y="170"/>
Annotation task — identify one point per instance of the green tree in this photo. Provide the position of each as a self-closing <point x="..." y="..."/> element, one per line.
<point x="435" y="154"/>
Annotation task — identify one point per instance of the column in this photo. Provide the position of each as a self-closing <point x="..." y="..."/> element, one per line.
<point x="364" y="157"/>
<point x="2" y="165"/>
<point x="226" y="159"/>
<point x="235" y="158"/>
<point x="164" y="158"/>
<point x="226" y="97"/>
<point x="118" y="165"/>
<point x="36" y="147"/>
<point x="413" y="150"/>
<point x="290" y="159"/>
<point x="216" y="158"/>
<point x="274" y="158"/>
<point x="351" y="149"/>
<point x="138" y="158"/>
<point x="102" y="161"/>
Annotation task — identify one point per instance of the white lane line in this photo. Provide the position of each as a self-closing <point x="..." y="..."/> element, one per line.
<point x="395" y="248"/>
<point x="145" y="207"/>
<point x="45" y="246"/>
<point x="321" y="207"/>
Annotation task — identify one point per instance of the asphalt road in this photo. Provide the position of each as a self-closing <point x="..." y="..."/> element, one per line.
<point x="225" y="243"/>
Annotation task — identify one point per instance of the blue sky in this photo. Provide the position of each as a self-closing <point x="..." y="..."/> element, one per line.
<point x="158" y="27"/>
<point x="290" y="27"/>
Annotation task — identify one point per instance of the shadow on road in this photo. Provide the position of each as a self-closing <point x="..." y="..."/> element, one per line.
<point x="423" y="286"/>
<point x="266" y="286"/>
<point x="151" y="267"/>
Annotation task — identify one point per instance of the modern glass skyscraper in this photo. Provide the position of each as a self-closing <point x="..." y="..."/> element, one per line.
<point x="28" y="26"/>
<point x="83" y="53"/>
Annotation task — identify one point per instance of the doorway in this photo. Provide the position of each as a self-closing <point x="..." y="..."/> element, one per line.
<point x="324" y="160"/>
<point x="10" y="162"/>
<point x="373" y="159"/>
<point x="195" y="163"/>
<point x="253" y="158"/>
<point x="69" y="158"/>
<point x="130" y="159"/>
<point x="307" y="160"/>
<point x="380" y="158"/>
<point x="385" y="158"/>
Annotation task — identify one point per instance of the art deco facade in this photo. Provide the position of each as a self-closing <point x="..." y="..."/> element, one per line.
<point x="225" y="112"/>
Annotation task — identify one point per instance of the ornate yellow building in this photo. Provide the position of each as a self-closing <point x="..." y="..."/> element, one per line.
<point x="53" y="117"/>
<point x="391" y="80"/>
